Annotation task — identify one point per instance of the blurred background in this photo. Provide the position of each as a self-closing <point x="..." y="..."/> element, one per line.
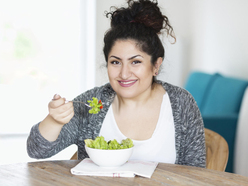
<point x="55" y="46"/>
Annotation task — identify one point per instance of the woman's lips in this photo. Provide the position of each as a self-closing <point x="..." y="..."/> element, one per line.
<point x="125" y="83"/>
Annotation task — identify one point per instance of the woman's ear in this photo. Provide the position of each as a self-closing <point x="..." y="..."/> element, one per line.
<point x="157" y="65"/>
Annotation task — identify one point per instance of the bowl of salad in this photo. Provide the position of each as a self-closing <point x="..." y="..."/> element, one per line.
<point x="109" y="154"/>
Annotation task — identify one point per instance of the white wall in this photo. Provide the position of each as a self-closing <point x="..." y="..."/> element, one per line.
<point x="176" y="62"/>
<point x="219" y="37"/>
<point x="211" y="37"/>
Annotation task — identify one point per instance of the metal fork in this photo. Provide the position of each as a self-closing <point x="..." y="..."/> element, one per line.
<point x="75" y="102"/>
<point x="80" y="102"/>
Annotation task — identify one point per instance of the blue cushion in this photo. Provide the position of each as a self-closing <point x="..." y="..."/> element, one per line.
<point x="224" y="96"/>
<point x="219" y="99"/>
<point x="198" y="83"/>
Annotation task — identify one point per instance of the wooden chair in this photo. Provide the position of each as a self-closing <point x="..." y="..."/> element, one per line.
<point x="216" y="150"/>
<point x="75" y="156"/>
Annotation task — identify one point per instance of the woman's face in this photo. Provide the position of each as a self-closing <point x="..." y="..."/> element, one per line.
<point x="130" y="70"/>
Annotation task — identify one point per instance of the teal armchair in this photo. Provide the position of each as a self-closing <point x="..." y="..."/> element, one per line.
<point x="219" y="99"/>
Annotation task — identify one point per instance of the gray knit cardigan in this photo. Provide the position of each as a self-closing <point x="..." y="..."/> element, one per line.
<point x="189" y="129"/>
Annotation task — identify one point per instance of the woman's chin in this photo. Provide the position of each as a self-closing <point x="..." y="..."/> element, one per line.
<point x="126" y="93"/>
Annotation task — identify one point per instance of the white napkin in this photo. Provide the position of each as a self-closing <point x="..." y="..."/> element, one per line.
<point x="133" y="167"/>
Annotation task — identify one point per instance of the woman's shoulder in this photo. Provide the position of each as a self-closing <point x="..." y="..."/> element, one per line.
<point x="174" y="90"/>
<point x="179" y="97"/>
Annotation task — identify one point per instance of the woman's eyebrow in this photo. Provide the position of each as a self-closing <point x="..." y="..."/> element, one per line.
<point x="128" y="58"/>
<point x="115" y="57"/>
<point x="135" y="57"/>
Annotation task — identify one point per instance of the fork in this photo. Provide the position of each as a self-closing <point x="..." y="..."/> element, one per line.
<point x="75" y="102"/>
<point x="80" y="102"/>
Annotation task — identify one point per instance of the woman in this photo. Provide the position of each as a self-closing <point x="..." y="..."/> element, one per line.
<point x="163" y="120"/>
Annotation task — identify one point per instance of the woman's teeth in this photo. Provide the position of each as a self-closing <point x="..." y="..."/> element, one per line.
<point x="127" y="82"/>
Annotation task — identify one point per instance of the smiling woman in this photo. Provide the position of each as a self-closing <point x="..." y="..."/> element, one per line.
<point x="163" y="120"/>
<point x="130" y="70"/>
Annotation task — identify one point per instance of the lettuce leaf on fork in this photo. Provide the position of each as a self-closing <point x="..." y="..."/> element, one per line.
<point x="95" y="105"/>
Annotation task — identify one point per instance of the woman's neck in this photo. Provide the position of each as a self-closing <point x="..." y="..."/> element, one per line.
<point x="138" y="101"/>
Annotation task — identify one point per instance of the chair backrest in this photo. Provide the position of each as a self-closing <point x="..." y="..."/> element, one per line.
<point x="216" y="150"/>
<point x="75" y="156"/>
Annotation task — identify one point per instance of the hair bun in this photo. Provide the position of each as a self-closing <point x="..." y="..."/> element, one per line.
<point x="144" y="12"/>
<point x="120" y="16"/>
<point x="147" y="13"/>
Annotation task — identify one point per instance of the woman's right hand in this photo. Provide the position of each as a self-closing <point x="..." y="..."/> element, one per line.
<point x="59" y="110"/>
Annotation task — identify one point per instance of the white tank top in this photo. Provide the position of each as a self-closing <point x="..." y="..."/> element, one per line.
<point x="160" y="147"/>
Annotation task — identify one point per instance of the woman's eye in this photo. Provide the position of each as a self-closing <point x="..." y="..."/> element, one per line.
<point x="136" y="62"/>
<point x="114" y="62"/>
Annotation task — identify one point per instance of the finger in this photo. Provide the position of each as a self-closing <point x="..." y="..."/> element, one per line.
<point x="56" y="111"/>
<point x="64" y="117"/>
<point x="67" y="113"/>
<point x="56" y="96"/>
<point x="67" y="118"/>
<point x="56" y="103"/>
<point x="65" y="107"/>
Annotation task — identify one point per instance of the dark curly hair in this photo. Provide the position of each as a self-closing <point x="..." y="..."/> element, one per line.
<point x="142" y="21"/>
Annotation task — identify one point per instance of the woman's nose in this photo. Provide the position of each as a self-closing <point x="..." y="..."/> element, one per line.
<point x="125" y="72"/>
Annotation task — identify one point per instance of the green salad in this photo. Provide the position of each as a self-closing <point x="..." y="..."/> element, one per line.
<point x="95" y="105"/>
<point x="100" y="143"/>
